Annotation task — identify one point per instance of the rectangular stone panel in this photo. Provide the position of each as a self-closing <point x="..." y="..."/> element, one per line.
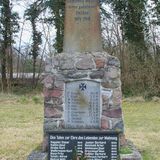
<point x="82" y="104"/>
<point x="89" y="145"/>
<point x="82" y="26"/>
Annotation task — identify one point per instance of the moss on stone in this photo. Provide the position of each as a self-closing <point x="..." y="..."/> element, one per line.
<point x="125" y="150"/>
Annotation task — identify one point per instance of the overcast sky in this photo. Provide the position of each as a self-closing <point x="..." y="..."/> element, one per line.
<point x="25" y="26"/>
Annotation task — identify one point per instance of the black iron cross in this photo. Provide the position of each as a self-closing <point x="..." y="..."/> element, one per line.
<point x="82" y="86"/>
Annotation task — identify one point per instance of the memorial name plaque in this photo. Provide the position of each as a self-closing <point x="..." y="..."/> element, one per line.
<point x="82" y="24"/>
<point x="89" y="145"/>
<point x="82" y="104"/>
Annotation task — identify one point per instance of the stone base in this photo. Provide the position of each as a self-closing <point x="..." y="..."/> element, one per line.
<point x="38" y="155"/>
<point x="95" y="67"/>
<point x="135" y="155"/>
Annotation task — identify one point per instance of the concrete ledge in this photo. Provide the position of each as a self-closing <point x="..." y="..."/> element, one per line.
<point x="135" y="155"/>
<point x="38" y="155"/>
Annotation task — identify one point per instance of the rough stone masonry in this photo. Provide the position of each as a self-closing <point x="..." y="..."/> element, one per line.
<point x="91" y="66"/>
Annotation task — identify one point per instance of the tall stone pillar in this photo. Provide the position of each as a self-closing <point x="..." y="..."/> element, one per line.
<point x="82" y="26"/>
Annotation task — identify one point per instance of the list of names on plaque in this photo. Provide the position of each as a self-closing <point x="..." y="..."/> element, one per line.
<point x="93" y="146"/>
<point x="82" y="104"/>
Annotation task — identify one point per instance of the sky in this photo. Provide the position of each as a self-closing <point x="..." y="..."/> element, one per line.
<point x="20" y="7"/>
<point x="25" y="31"/>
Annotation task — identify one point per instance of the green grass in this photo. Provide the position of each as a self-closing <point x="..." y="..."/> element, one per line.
<point x="21" y="124"/>
<point x="142" y="122"/>
<point x="125" y="150"/>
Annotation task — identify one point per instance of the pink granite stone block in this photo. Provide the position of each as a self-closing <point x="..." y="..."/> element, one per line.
<point x="113" y="113"/>
<point x="53" y="93"/>
<point x="104" y="123"/>
<point x="50" y="112"/>
<point x="100" y="62"/>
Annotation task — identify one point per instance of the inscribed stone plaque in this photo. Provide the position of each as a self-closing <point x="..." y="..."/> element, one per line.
<point x="75" y="145"/>
<point x="82" y="104"/>
<point x="82" y="26"/>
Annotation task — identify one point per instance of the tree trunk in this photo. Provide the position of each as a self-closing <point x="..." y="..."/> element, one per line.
<point x="9" y="68"/>
<point x="34" y="72"/>
<point x="3" y="72"/>
<point x="11" y="63"/>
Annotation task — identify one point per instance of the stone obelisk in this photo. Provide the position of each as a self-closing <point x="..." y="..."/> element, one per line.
<point x="82" y="26"/>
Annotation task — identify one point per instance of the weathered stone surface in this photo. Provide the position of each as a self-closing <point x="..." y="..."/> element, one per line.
<point x="59" y="84"/>
<point x="113" y="61"/>
<point x="37" y="155"/>
<point x="107" y="83"/>
<point x="50" y="124"/>
<point x="62" y="124"/>
<point x="116" y="83"/>
<point x="67" y="64"/>
<point x="74" y="74"/>
<point x="53" y="93"/>
<point x="100" y="63"/>
<point x="112" y="72"/>
<point x="106" y="106"/>
<point x="48" y="105"/>
<point x="59" y="107"/>
<point x="104" y="123"/>
<point x="49" y="68"/>
<point x="82" y="27"/>
<point x="53" y="101"/>
<point x="85" y="63"/>
<point x="107" y="99"/>
<point x="117" y="96"/>
<point x="119" y="126"/>
<point x="55" y="62"/>
<point x="97" y="74"/>
<point x="78" y="75"/>
<point x="51" y="112"/>
<point x="59" y="77"/>
<point x="49" y="81"/>
<point x="122" y="140"/>
<point x="67" y="73"/>
<point x="113" y="113"/>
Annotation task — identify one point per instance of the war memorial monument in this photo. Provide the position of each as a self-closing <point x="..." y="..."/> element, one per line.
<point x="83" y="117"/>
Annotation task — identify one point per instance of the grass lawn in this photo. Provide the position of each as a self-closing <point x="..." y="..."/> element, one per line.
<point x="20" y="126"/>
<point x="142" y="123"/>
<point x="21" y="123"/>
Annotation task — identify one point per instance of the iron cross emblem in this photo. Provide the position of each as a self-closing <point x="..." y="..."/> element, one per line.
<point x="82" y="86"/>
